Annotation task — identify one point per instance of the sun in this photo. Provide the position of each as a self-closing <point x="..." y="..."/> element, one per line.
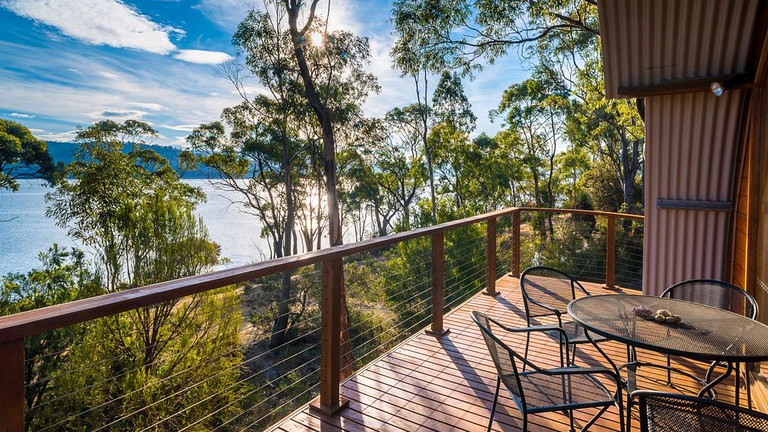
<point x="318" y="39"/>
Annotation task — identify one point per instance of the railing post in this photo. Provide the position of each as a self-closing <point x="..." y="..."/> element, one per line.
<point x="515" y="244"/>
<point x="330" y="340"/>
<point x="490" y="258"/>
<point x="610" y="254"/>
<point x="12" y="386"/>
<point x="438" y="285"/>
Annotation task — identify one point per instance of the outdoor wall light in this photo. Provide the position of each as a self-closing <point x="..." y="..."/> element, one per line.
<point x="717" y="88"/>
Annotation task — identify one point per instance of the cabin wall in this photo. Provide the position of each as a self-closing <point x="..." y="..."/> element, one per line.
<point x="691" y="155"/>
<point x="742" y="219"/>
<point x="757" y="259"/>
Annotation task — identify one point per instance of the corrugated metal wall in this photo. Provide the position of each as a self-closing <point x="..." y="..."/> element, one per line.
<point x="648" y="42"/>
<point x="690" y="154"/>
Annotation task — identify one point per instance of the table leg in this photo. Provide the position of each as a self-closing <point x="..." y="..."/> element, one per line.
<point x="600" y="350"/>
<point x="718" y="380"/>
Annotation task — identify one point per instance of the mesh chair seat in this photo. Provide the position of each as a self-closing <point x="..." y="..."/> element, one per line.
<point x="575" y="333"/>
<point x="671" y="412"/>
<point x="552" y="392"/>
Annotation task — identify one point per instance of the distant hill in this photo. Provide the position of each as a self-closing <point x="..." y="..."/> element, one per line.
<point x="65" y="152"/>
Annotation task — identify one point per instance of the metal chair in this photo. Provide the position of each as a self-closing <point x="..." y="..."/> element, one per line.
<point x="672" y="412"/>
<point x="547" y="292"/>
<point x="721" y="295"/>
<point x="546" y="390"/>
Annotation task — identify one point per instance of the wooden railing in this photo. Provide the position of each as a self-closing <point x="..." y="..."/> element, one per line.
<point x="14" y="328"/>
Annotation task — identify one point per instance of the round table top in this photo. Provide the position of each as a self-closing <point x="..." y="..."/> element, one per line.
<point x="705" y="332"/>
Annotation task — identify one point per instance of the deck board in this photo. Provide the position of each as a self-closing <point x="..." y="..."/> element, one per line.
<point x="435" y="384"/>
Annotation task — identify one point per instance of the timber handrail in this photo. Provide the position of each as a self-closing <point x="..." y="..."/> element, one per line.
<point x="58" y="316"/>
<point x="14" y="328"/>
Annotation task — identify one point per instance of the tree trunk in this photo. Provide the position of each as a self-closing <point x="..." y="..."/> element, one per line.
<point x="424" y="112"/>
<point x="281" y="321"/>
<point x="329" y="155"/>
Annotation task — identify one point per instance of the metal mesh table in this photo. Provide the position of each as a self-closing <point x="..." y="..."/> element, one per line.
<point x="705" y="333"/>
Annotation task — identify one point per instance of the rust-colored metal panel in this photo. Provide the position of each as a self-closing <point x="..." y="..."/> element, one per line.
<point x="650" y="42"/>
<point x="690" y="155"/>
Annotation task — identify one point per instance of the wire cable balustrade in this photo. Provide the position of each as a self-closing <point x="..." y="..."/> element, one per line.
<point x="203" y="352"/>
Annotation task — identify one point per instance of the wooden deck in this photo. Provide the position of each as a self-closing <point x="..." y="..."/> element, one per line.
<point x="447" y="384"/>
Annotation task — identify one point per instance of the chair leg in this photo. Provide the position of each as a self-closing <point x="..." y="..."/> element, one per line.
<point x="495" y="401"/>
<point x="629" y="414"/>
<point x="525" y="353"/>
<point x="749" y="387"/>
<point x="570" y="421"/>
<point x="573" y="359"/>
<point x="669" y="371"/>
<point x="737" y="384"/>
<point x="525" y="422"/>
<point x="620" y="409"/>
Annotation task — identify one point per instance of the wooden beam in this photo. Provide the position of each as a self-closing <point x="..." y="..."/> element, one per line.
<point x="758" y="45"/>
<point x="610" y="254"/>
<point x="438" y="285"/>
<point x="12" y="386"/>
<point x="688" y="85"/>
<point x="515" y="245"/>
<point x="490" y="258"/>
<point x="330" y="402"/>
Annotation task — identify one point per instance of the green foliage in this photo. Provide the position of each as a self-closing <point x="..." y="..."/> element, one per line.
<point x="457" y="34"/>
<point x="186" y="374"/>
<point x="451" y="105"/>
<point x="64" y="276"/>
<point x="22" y="156"/>
<point x="170" y="363"/>
<point x="121" y="204"/>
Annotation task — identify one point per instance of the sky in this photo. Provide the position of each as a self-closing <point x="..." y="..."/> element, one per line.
<point x="66" y="64"/>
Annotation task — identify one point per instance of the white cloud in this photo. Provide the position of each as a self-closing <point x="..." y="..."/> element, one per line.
<point x="185" y="94"/>
<point x="58" y="136"/>
<point x="181" y="128"/>
<point x="108" y="75"/>
<point x="120" y="114"/>
<point x="148" y="105"/>
<point x="98" y="22"/>
<point x="112" y="23"/>
<point x="250" y="90"/>
<point x="202" y="57"/>
<point x="22" y="115"/>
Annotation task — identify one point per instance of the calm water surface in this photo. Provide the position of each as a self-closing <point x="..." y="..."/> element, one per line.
<point x="24" y="230"/>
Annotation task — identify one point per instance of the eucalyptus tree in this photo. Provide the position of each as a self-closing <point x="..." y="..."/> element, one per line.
<point x="461" y="34"/>
<point x="562" y="36"/>
<point x="22" y="156"/>
<point x="613" y="130"/>
<point x="132" y="212"/>
<point x="407" y="54"/>
<point x="449" y="136"/>
<point x="450" y="104"/>
<point x="536" y="111"/>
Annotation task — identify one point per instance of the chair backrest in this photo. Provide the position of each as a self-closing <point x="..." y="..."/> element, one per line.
<point x="673" y="412"/>
<point x="503" y="356"/>
<point x="714" y="293"/>
<point x="547" y="286"/>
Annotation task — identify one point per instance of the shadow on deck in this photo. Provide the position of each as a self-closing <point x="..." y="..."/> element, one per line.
<point x="447" y="384"/>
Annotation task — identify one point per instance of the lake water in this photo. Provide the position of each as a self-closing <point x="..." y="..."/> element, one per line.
<point x="24" y="230"/>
